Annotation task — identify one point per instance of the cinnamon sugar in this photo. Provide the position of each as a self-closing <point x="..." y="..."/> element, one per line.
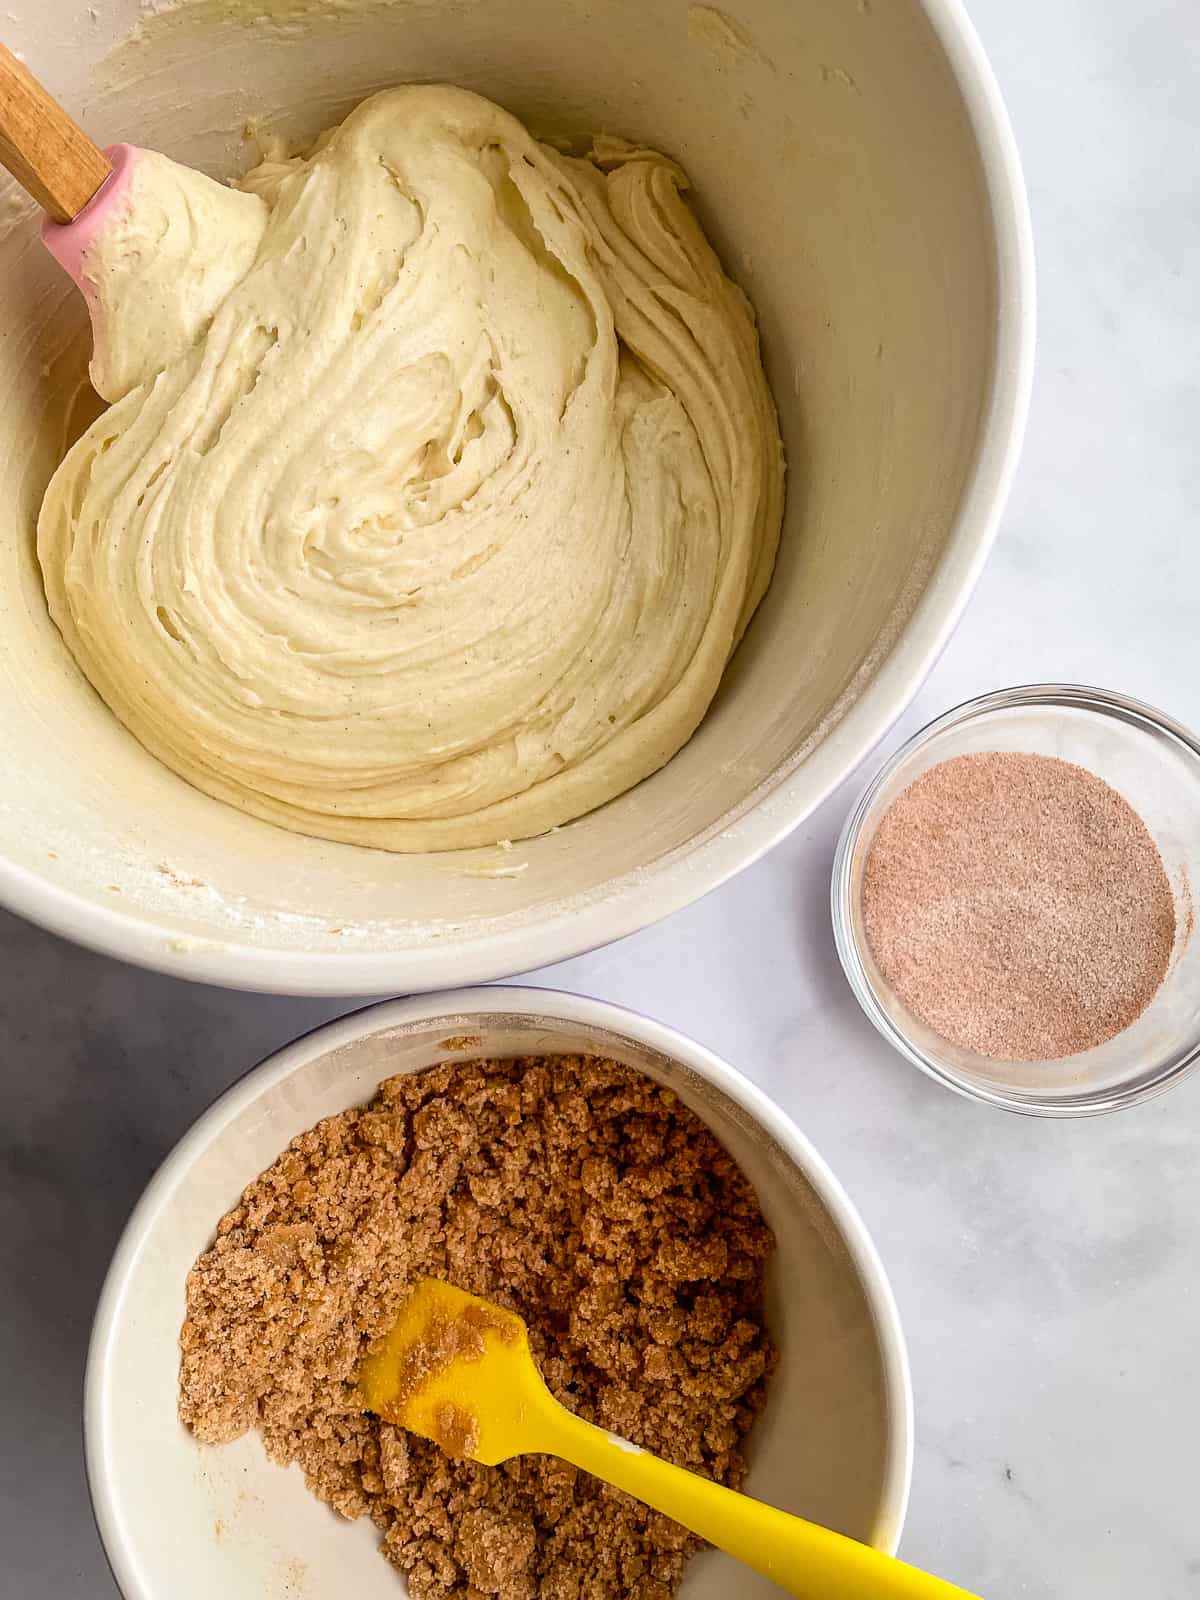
<point x="570" y="1190"/>
<point x="1018" y="906"/>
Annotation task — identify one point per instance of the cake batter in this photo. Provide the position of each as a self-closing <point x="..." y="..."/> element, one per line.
<point x="441" y="479"/>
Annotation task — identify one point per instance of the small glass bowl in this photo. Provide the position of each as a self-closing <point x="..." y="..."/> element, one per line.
<point x="1155" y="765"/>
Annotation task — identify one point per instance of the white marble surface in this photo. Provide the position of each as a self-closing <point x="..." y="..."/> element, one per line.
<point x="1047" y="1272"/>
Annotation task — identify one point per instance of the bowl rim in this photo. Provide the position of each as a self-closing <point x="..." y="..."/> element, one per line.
<point x="758" y="822"/>
<point x="1066" y="696"/>
<point x="561" y="1006"/>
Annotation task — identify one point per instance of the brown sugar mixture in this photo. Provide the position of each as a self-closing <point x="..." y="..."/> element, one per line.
<point x="1018" y="906"/>
<point x="568" y="1189"/>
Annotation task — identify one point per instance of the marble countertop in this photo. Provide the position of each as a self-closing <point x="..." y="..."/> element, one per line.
<point x="1047" y="1272"/>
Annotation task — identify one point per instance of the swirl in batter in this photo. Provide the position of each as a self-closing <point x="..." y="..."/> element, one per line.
<point x="441" y="481"/>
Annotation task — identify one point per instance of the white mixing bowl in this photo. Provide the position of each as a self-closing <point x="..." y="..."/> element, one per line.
<point x="853" y="163"/>
<point x="189" y="1521"/>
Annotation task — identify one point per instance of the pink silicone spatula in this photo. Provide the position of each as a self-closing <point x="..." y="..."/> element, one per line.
<point x="154" y="246"/>
<point x="77" y="184"/>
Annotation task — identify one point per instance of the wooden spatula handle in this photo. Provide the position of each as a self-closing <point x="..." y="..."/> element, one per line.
<point x="43" y="149"/>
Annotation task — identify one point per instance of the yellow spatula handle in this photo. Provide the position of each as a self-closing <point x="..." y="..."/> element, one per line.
<point x="801" y="1557"/>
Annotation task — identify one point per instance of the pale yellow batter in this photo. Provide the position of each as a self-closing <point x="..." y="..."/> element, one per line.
<point x="442" y="478"/>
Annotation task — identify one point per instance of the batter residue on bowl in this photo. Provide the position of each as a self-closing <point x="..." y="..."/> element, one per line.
<point x="432" y="511"/>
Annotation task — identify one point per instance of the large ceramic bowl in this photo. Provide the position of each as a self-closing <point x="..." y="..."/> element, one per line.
<point x="853" y="163"/>
<point x="188" y="1521"/>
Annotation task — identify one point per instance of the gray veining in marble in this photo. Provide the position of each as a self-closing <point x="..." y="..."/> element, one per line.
<point x="1048" y="1273"/>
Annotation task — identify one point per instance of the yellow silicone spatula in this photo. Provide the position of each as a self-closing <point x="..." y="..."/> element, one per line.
<point x="458" y="1370"/>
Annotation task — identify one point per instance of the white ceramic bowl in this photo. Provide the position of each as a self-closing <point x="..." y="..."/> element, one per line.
<point x="189" y="1521"/>
<point x="854" y="165"/>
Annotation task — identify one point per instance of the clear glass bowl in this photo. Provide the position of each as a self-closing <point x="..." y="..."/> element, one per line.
<point x="1155" y="764"/>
